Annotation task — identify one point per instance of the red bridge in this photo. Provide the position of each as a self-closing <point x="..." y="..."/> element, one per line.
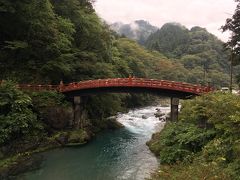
<point x="161" y="87"/>
<point x="75" y="90"/>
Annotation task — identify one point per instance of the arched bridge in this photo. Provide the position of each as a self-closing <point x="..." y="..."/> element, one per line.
<point x="161" y="87"/>
<point x="172" y="89"/>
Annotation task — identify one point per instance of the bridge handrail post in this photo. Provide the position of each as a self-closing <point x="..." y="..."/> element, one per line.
<point x="39" y="87"/>
<point x="61" y="86"/>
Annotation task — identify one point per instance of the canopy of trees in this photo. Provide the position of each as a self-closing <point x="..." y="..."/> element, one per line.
<point x="196" y="49"/>
<point x="232" y="24"/>
<point x="200" y="52"/>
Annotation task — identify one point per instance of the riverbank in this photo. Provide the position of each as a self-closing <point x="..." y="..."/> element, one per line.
<point x="204" y="143"/>
<point x="34" y="122"/>
<point x="119" y="154"/>
<point x="26" y="161"/>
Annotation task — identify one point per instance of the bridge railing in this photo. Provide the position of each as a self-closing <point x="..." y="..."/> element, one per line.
<point x="38" y="87"/>
<point x="120" y="82"/>
<point x="135" y="82"/>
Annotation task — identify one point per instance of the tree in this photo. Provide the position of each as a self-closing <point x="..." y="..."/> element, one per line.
<point x="233" y="25"/>
<point x="17" y="118"/>
<point x="31" y="36"/>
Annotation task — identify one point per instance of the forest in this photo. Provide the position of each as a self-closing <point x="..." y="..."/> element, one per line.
<point x="48" y="41"/>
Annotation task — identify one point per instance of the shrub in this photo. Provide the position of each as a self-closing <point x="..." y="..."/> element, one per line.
<point x="16" y="116"/>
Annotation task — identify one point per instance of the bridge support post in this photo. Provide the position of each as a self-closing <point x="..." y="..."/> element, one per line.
<point x="174" y="109"/>
<point x="80" y="113"/>
<point x="77" y="112"/>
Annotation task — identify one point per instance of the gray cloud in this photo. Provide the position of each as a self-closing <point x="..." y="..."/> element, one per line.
<point x="210" y="14"/>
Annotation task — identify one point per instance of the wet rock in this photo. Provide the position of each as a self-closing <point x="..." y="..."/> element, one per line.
<point x="162" y="119"/>
<point x="159" y="114"/>
<point x="62" y="138"/>
<point x="22" y="165"/>
<point x="113" y="124"/>
<point x="58" y="117"/>
<point x="144" y="117"/>
<point x="77" y="137"/>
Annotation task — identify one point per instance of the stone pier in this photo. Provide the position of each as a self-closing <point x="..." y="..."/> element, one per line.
<point x="79" y="106"/>
<point x="174" y="109"/>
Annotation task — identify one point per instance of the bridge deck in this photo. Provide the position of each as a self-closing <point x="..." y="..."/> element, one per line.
<point x="121" y="82"/>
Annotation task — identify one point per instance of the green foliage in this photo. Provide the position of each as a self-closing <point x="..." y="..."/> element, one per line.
<point x="232" y="24"/>
<point x="97" y="106"/>
<point x="143" y="63"/>
<point x="178" y="141"/>
<point x="196" y="170"/>
<point x="16" y="118"/>
<point x="220" y="110"/>
<point x="46" y="99"/>
<point x="196" y="49"/>
<point x="207" y="135"/>
<point x="52" y="109"/>
<point x="171" y="40"/>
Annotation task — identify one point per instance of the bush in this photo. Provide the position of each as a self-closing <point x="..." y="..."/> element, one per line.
<point x="16" y="116"/>
<point x="47" y="99"/>
<point x="220" y="110"/>
<point x="178" y="141"/>
<point x="205" y="143"/>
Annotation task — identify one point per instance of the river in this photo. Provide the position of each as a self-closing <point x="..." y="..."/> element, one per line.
<point x="111" y="155"/>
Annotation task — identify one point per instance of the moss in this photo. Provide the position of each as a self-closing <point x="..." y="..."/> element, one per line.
<point x="78" y="137"/>
<point x="9" y="161"/>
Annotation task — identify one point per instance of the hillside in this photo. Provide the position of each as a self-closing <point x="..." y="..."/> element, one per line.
<point x="199" y="52"/>
<point x="197" y="49"/>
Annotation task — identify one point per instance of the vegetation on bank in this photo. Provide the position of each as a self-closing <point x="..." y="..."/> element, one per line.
<point x="204" y="143"/>
<point x="48" y="41"/>
<point x="17" y="117"/>
<point x="32" y="122"/>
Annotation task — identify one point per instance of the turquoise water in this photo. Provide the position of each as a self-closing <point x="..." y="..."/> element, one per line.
<point x="119" y="154"/>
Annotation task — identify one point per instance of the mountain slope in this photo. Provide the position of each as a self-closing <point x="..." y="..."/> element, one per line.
<point x="197" y="49"/>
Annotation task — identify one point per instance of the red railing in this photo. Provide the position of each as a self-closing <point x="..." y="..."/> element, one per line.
<point x="135" y="82"/>
<point x="120" y="82"/>
<point x="32" y="87"/>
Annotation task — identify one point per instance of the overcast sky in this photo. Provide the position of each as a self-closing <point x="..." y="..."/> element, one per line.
<point x="210" y="14"/>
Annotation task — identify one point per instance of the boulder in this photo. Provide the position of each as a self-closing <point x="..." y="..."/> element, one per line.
<point x="159" y="114"/>
<point x="77" y="137"/>
<point x="144" y="117"/>
<point x="113" y="124"/>
<point x="62" y="138"/>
